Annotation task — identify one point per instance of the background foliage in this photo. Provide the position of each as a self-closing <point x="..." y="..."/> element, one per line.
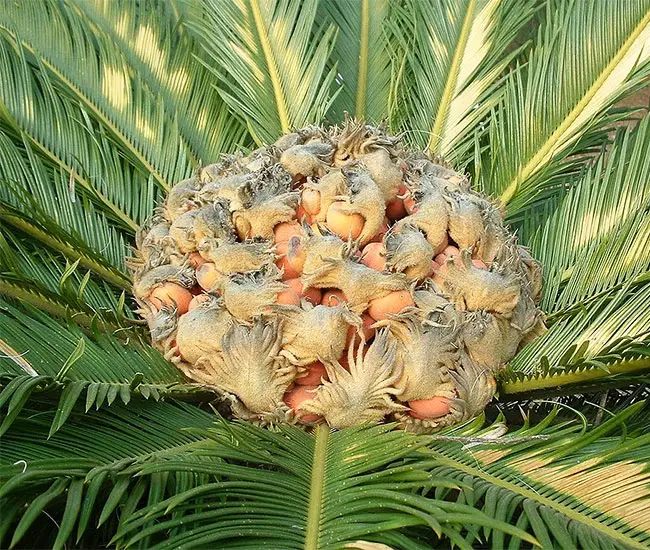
<point x="104" y="104"/>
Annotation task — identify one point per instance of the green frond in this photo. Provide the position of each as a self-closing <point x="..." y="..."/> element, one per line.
<point x="456" y="54"/>
<point x="35" y="115"/>
<point x="32" y="273"/>
<point x="71" y="251"/>
<point x="527" y="225"/>
<point x="559" y="103"/>
<point x="90" y="71"/>
<point x="595" y="405"/>
<point x="236" y="472"/>
<point x="594" y="238"/>
<point x="269" y="60"/>
<point x="194" y="480"/>
<point x="40" y="203"/>
<point x="577" y="489"/>
<point x="67" y="360"/>
<point x="596" y="261"/>
<point x="92" y="454"/>
<point x="34" y="295"/>
<point x="597" y="335"/>
<point x="362" y="56"/>
<point x="148" y="36"/>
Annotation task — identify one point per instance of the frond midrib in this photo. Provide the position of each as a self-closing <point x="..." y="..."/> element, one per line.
<point x="543" y="382"/>
<point x="435" y="138"/>
<point x="272" y="66"/>
<point x="113" y="277"/>
<point x="532" y="495"/>
<point x="177" y="389"/>
<point x="116" y="465"/>
<point x="39" y="301"/>
<point x="362" y="80"/>
<point x="316" y="488"/>
<point x="547" y="147"/>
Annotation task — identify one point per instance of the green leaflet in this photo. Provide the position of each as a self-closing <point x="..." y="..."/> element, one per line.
<point x="62" y="358"/>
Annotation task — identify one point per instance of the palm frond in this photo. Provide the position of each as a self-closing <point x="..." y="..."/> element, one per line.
<point x="580" y="488"/>
<point x="41" y="354"/>
<point x="94" y="457"/>
<point x="90" y="71"/>
<point x="33" y="112"/>
<point x="235" y="473"/>
<point x="560" y="103"/>
<point x="186" y="480"/>
<point x="596" y="261"/>
<point x="456" y="53"/>
<point x="148" y="36"/>
<point x="40" y="202"/>
<point x="362" y="56"/>
<point x="602" y="215"/>
<point x="609" y="337"/>
<point x="269" y="60"/>
<point x="29" y="268"/>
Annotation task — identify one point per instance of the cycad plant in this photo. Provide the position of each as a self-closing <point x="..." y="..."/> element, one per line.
<point x="106" y="104"/>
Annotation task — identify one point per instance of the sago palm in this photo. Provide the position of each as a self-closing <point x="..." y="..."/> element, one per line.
<point x="106" y="104"/>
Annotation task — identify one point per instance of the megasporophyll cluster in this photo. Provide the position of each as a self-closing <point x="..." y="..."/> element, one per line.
<point x="336" y="277"/>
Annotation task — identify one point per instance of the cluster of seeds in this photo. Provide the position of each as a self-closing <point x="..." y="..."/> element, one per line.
<point x="334" y="276"/>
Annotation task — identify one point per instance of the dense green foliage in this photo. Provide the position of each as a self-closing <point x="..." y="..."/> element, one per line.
<point x="104" y="104"/>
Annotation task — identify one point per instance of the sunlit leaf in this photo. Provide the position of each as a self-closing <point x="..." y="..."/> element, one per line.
<point x="269" y="66"/>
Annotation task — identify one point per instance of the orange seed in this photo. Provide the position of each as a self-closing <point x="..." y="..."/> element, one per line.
<point x="342" y="223"/>
<point x="373" y="256"/>
<point x="434" y="407"/>
<point x="296" y="396"/>
<point x="313" y="376"/>
<point x="392" y="303"/>
<point x="169" y="294"/>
